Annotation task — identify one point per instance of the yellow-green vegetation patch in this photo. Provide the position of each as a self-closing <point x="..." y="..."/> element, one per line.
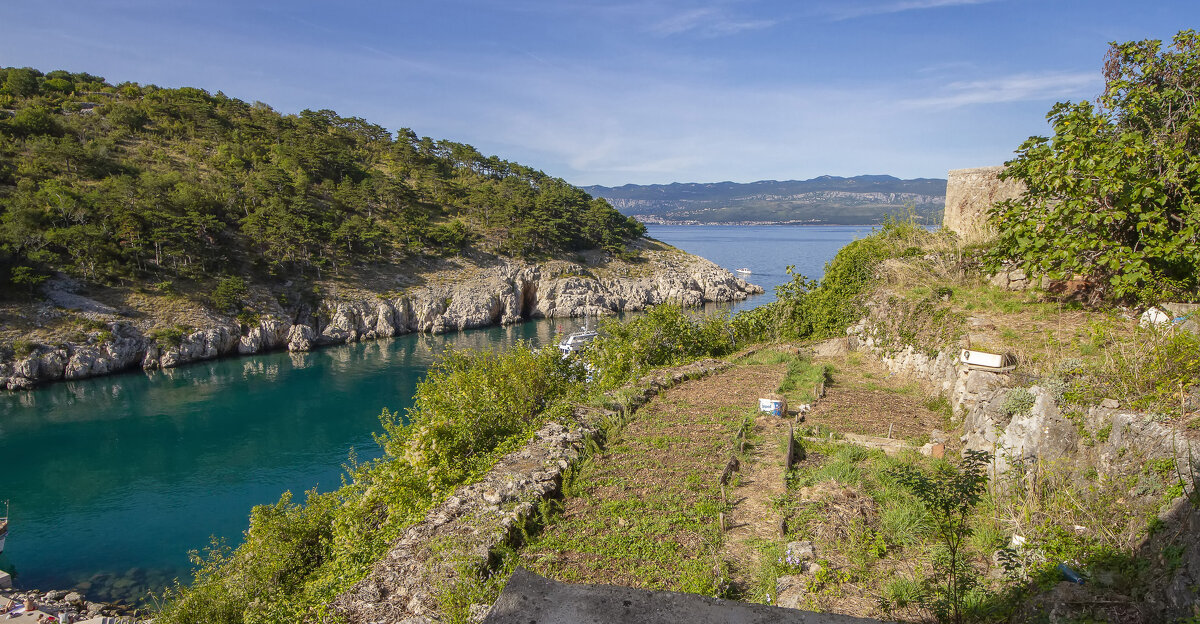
<point x="646" y="512"/>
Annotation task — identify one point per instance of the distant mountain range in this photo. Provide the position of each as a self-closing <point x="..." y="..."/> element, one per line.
<point x="831" y="200"/>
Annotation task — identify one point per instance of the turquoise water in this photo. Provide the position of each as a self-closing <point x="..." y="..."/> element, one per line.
<point x="112" y="480"/>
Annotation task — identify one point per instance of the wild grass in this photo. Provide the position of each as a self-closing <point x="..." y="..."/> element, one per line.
<point x="801" y="379"/>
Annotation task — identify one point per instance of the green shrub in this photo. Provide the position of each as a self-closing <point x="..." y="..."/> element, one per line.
<point x="471" y="408"/>
<point x="806" y="308"/>
<point x="663" y="336"/>
<point x="229" y="293"/>
<point x="169" y="337"/>
<point x="949" y="494"/>
<point x="1018" y="401"/>
<point x="470" y="403"/>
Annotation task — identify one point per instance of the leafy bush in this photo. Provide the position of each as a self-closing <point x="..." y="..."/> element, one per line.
<point x="1017" y="401"/>
<point x="471" y="408"/>
<point x="169" y="337"/>
<point x="24" y="348"/>
<point x="1113" y="194"/>
<point x="949" y="493"/>
<point x="808" y="309"/>
<point x="470" y="403"/>
<point x="663" y="336"/>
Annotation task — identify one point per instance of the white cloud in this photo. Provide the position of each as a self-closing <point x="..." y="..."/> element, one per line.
<point x="849" y="11"/>
<point x="710" y="21"/>
<point x="1016" y="88"/>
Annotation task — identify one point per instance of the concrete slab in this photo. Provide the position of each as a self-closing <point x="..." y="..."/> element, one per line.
<point x="532" y="599"/>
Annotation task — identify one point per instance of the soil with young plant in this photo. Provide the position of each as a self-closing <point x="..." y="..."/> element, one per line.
<point x="645" y="512"/>
<point x="864" y="398"/>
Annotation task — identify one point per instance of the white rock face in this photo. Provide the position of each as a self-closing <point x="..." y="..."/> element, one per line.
<point x="501" y="293"/>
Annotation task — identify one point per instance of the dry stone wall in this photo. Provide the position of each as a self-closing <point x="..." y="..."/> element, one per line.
<point x="458" y="536"/>
<point x="969" y="195"/>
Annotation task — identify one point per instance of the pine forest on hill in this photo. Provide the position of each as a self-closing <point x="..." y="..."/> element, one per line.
<point x="132" y="183"/>
<point x="826" y="200"/>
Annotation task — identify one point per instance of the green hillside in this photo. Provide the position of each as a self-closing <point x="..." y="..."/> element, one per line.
<point x="130" y="183"/>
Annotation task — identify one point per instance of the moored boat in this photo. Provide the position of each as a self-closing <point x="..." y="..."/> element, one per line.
<point x="576" y="341"/>
<point x="4" y="526"/>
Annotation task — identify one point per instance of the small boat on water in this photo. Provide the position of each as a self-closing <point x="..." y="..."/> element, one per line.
<point x="743" y="271"/>
<point x="4" y="526"/>
<point x="576" y="341"/>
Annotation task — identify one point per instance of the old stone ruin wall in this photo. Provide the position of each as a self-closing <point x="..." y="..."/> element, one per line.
<point x="970" y="193"/>
<point x="1113" y="440"/>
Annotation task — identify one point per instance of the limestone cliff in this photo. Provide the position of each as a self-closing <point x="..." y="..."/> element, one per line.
<point x="474" y="293"/>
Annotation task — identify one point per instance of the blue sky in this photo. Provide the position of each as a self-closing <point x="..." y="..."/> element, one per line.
<point x="645" y="91"/>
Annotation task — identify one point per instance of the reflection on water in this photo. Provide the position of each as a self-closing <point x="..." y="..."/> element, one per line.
<point x="113" y="479"/>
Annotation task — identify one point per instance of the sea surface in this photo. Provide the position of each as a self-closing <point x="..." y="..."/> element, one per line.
<point x="111" y="481"/>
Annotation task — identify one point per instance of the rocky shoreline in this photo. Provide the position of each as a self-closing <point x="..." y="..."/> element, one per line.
<point x="70" y="603"/>
<point x="500" y="292"/>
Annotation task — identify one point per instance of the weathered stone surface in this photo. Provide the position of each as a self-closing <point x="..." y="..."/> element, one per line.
<point x="969" y="195"/>
<point x="833" y="347"/>
<point x="268" y="335"/>
<point x="300" y="337"/>
<point x="531" y="598"/>
<point x="801" y="549"/>
<point x="498" y="293"/>
<point x="791" y="590"/>
<point x="978" y="382"/>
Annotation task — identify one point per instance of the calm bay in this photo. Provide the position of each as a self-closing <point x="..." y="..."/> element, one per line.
<point x="112" y="480"/>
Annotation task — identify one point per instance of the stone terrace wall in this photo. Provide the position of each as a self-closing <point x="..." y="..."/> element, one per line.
<point x="969" y="195"/>
<point x="460" y="535"/>
<point x="1111" y="439"/>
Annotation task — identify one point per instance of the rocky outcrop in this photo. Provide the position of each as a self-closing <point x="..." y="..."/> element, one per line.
<point x="1026" y="432"/>
<point x="499" y="293"/>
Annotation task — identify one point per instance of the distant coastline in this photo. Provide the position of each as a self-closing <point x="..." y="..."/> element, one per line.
<point x="653" y="220"/>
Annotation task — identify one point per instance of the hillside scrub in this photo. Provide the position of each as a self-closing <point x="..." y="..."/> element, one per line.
<point x="807" y="308"/>
<point x="135" y="183"/>
<point x="472" y="408"/>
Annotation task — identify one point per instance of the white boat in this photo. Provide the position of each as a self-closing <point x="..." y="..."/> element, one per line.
<point x="576" y="341"/>
<point x="4" y="527"/>
<point x="743" y="270"/>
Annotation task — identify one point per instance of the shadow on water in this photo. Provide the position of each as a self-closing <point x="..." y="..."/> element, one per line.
<point x="113" y="479"/>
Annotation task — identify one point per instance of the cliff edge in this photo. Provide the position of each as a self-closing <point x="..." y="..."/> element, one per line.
<point x="85" y="333"/>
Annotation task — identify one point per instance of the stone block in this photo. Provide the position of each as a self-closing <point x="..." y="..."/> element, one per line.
<point x="834" y="347"/>
<point x="970" y="193"/>
<point x="802" y="549"/>
<point x="981" y="381"/>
